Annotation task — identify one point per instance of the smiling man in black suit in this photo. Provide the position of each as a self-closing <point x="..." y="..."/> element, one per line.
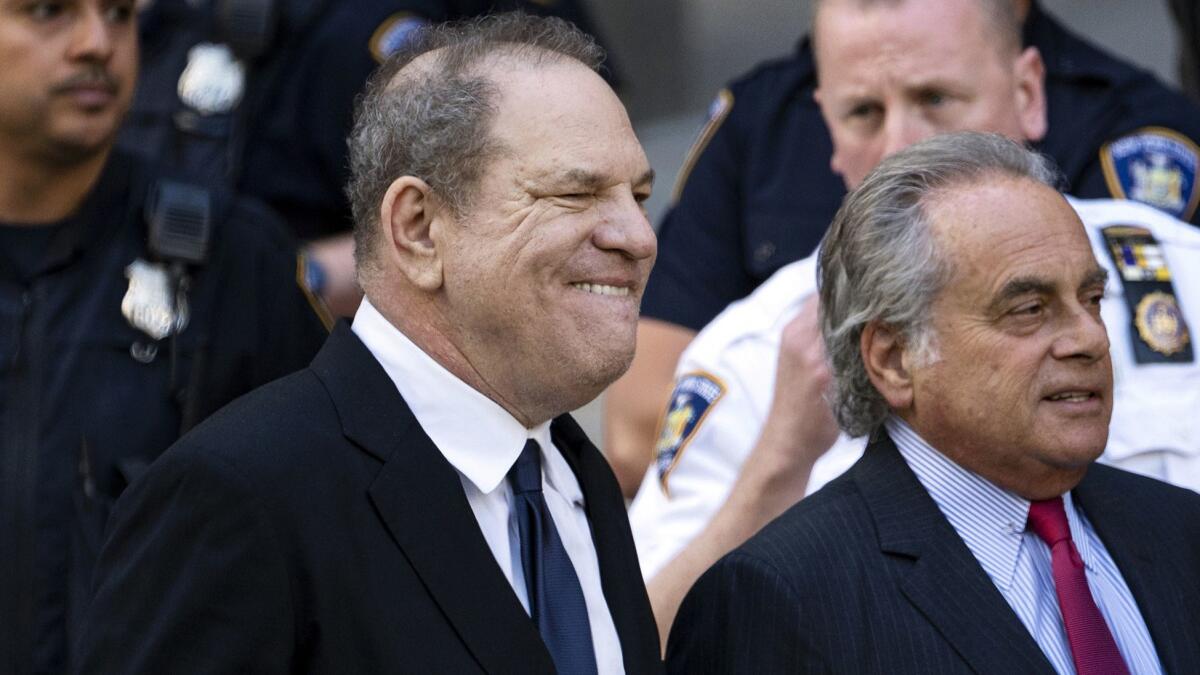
<point x="416" y="500"/>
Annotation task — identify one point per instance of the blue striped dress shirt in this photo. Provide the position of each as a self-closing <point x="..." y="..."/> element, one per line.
<point x="991" y="521"/>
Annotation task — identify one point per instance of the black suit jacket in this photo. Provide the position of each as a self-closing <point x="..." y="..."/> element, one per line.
<point x="868" y="576"/>
<point x="312" y="526"/>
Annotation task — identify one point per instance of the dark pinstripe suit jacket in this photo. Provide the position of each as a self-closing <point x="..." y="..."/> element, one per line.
<point x="867" y="576"/>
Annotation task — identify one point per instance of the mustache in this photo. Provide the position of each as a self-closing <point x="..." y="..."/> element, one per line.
<point x="95" y="76"/>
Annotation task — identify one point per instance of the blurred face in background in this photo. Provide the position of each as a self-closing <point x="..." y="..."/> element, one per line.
<point x="894" y="73"/>
<point x="67" y="73"/>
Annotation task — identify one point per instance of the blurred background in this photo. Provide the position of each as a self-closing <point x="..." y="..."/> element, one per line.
<point x="674" y="55"/>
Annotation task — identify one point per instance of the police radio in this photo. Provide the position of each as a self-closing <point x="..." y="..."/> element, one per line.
<point x="179" y="216"/>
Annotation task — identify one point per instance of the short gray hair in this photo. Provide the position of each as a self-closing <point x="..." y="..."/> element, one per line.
<point x="1000" y="15"/>
<point x="434" y="125"/>
<point x="879" y="261"/>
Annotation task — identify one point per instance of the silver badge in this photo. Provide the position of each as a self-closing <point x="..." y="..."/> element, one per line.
<point x="147" y="304"/>
<point x="213" y="80"/>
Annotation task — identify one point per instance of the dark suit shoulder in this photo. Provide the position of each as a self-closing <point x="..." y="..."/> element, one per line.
<point x="1148" y="504"/>
<point x="815" y="532"/>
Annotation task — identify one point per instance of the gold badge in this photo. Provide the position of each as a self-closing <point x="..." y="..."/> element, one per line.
<point x="1161" y="324"/>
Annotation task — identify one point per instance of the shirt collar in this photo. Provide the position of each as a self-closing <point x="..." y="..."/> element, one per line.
<point x="476" y="435"/>
<point x="990" y="520"/>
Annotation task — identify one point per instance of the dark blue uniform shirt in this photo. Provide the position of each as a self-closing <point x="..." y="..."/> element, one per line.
<point x="758" y="193"/>
<point x="87" y="400"/>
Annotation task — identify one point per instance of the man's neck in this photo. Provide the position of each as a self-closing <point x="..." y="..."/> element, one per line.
<point x="35" y="191"/>
<point x="425" y="327"/>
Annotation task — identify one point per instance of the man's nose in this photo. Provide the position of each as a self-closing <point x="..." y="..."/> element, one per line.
<point x="92" y="38"/>
<point x="1083" y="336"/>
<point x="902" y="129"/>
<point x="626" y="228"/>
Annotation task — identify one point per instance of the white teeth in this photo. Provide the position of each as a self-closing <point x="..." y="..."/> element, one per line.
<point x="602" y="289"/>
<point x="1071" y="396"/>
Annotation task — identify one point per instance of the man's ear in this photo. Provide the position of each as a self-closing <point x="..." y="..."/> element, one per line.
<point x="884" y="357"/>
<point x="1030" y="75"/>
<point x="409" y="213"/>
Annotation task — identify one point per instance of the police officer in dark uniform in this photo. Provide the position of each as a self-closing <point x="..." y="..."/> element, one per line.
<point x="261" y="92"/>
<point x="757" y="192"/>
<point x="133" y="303"/>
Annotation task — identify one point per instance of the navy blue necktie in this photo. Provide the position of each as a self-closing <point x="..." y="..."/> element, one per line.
<point x="556" y="601"/>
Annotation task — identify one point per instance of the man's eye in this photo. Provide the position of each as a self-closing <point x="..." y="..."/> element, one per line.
<point x="1031" y="309"/>
<point x="862" y="111"/>
<point x="44" y="11"/>
<point x="933" y="98"/>
<point x="120" y="13"/>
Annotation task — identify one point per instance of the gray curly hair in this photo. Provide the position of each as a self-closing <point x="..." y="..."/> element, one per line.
<point x="434" y="124"/>
<point x="879" y="261"/>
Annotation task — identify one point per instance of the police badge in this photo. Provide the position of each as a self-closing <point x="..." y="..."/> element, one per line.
<point x="1161" y="324"/>
<point x="148" y="305"/>
<point x="213" y="81"/>
<point x="1159" y="330"/>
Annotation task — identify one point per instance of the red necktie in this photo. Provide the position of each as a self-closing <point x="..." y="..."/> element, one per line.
<point x="1092" y="646"/>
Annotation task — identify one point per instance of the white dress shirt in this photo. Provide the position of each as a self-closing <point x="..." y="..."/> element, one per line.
<point x="991" y="521"/>
<point x="481" y="440"/>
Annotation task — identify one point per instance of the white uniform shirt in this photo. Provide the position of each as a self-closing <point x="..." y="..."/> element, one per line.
<point x="706" y="437"/>
<point x="481" y="440"/>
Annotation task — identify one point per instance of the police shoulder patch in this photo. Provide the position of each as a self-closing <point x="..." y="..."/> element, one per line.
<point x="1156" y="166"/>
<point x="394" y="33"/>
<point x="718" y="110"/>
<point x="694" y="396"/>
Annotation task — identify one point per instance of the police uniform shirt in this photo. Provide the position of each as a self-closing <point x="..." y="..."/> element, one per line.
<point x="88" y="398"/>
<point x="756" y="191"/>
<point x="288" y="127"/>
<point x="726" y="377"/>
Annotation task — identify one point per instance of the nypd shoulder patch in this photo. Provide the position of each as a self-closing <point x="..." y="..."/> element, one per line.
<point x="1156" y="166"/>
<point x="394" y="33"/>
<point x="694" y="395"/>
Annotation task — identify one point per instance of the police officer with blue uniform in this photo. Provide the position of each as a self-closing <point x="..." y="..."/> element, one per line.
<point x="756" y="192"/>
<point x="261" y="92"/>
<point x="134" y="302"/>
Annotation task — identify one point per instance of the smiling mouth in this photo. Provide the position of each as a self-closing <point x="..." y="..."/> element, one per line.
<point x="602" y="289"/>
<point x="1072" y="396"/>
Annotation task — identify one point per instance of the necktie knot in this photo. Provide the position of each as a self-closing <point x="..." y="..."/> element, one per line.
<point x="525" y="476"/>
<point x="1048" y="519"/>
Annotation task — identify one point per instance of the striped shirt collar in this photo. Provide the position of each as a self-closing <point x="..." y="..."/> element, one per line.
<point x="989" y="519"/>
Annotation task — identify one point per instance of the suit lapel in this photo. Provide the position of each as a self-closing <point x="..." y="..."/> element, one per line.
<point x="945" y="582"/>
<point x="620" y="575"/>
<point x="1130" y="539"/>
<point x="420" y="500"/>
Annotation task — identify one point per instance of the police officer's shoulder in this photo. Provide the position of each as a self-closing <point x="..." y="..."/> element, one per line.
<point x="759" y="317"/>
<point x="1141" y="136"/>
<point x="748" y="107"/>
<point x="1097" y="214"/>
<point x="776" y="81"/>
